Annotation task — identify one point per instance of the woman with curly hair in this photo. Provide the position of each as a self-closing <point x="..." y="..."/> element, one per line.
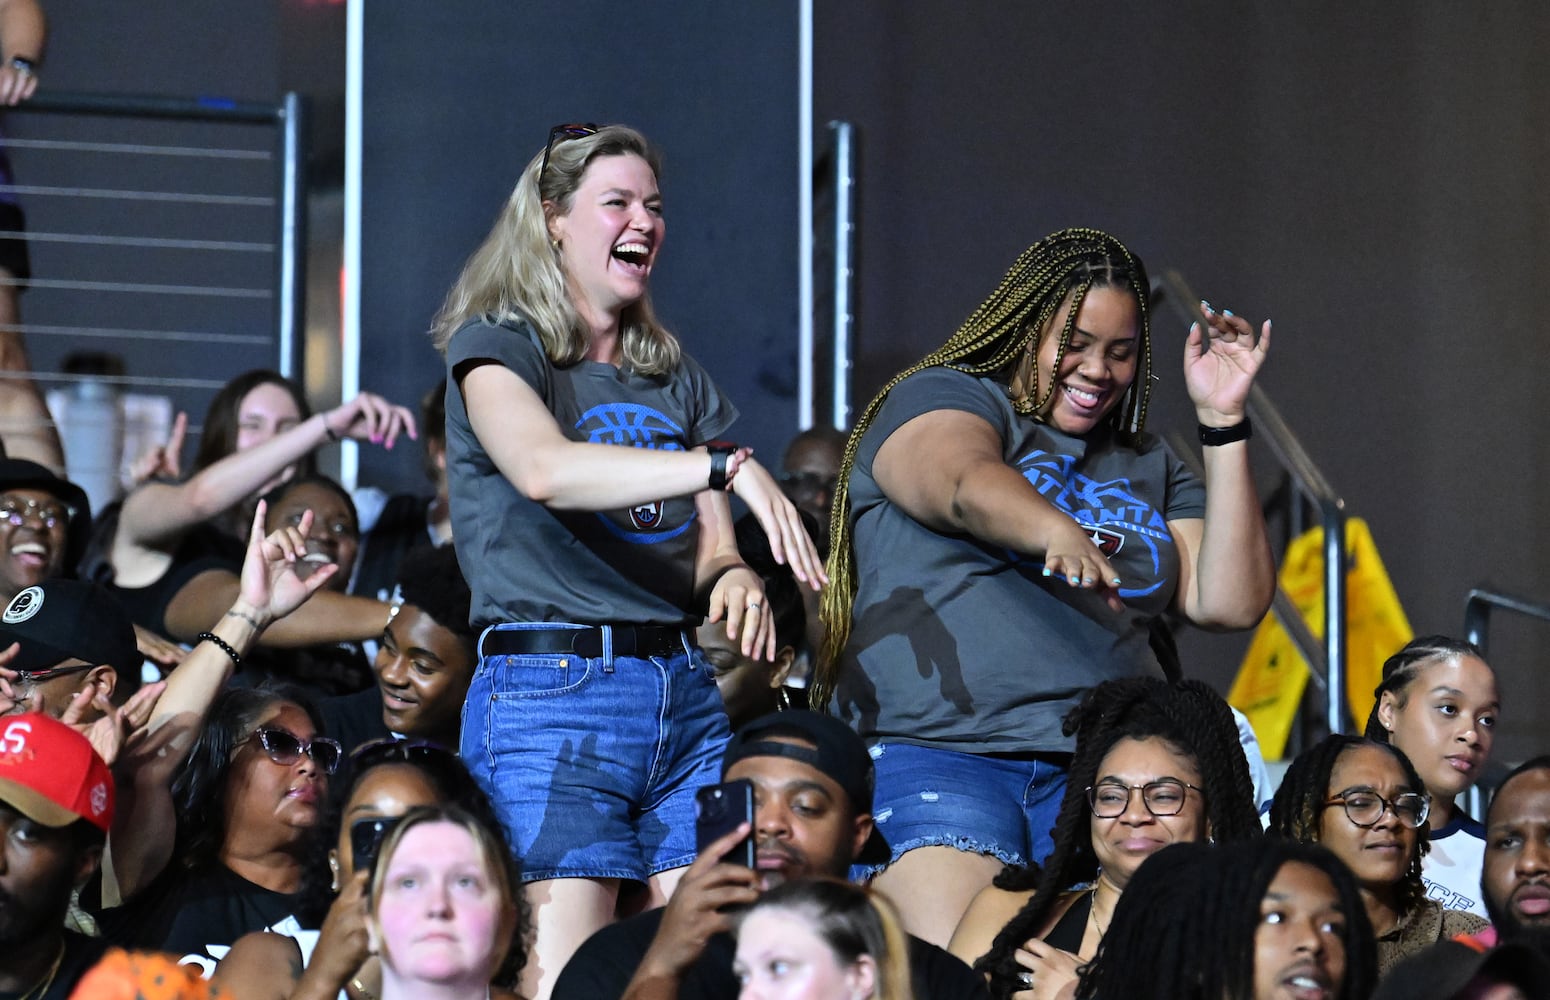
<point x="1005" y="536"/>
<point x="1155" y="763"/>
<point x="1364" y="801"/>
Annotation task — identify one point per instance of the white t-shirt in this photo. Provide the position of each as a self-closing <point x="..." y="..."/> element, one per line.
<point x="1451" y="869"/>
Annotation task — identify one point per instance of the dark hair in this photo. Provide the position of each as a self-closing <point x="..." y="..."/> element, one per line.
<point x="433" y="425"/>
<point x="280" y="492"/>
<point x="219" y="437"/>
<point x="438" y="765"/>
<point x="996" y="338"/>
<point x="1297" y="810"/>
<point x="199" y="790"/>
<point x="1540" y="763"/>
<point x="504" y="867"/>
<point x="1184" y="928"/>
<point x="782" y="593"/>
<point x="1406" y="665"/>
<point x="1191" y="718"/>
<point x="852" y="921"/>
<point x="430" y="579"/>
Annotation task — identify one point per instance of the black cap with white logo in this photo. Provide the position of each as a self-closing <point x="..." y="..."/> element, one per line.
<point x="60" y="620"/>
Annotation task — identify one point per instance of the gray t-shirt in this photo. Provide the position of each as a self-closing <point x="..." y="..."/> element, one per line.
<point x="966" y="646"/>
<point x="527" y="563"/>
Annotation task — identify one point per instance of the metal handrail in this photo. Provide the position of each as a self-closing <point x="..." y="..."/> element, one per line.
<point x="1327" y="663"/>
<point x="1477" y="612"/>
<point x="289" y="116"/>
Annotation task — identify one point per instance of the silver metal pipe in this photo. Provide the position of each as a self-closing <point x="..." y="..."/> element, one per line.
<point x="844" y="272"/>
<point x="291" y="304"/>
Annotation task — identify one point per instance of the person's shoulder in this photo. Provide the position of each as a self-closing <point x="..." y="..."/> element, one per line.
<point x="1460" y="824"/>
<point x="485" y="337"/>
<point x="938" y="974"/>
<point x="601" y="968"/>
<point x="1456" y="922"/>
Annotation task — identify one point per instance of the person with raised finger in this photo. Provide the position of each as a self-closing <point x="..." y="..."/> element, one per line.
<point x="1005" y="536"/>
<point x="590" y="513"/>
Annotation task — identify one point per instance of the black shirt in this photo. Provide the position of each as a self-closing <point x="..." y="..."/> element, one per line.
<point x="602" y="968"/>
<point x="81" y="953"/>
<point x="196" y="915"/>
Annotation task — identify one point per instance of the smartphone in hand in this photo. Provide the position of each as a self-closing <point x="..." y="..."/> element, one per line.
<point x="720" y="809"/>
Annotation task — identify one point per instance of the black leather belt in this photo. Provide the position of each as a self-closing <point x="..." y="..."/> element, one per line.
<point x="628" y="640"/>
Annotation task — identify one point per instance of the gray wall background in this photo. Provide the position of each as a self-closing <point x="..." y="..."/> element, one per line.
<point x="1370" y="177"/>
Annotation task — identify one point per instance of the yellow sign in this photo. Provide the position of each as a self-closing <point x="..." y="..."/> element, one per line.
<point x="1270" y="682"/>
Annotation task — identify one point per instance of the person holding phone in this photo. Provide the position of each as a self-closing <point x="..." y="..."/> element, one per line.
<point x="591" y="517"/>
<point x="388" y="779"/>
<point x="812" y="787"/>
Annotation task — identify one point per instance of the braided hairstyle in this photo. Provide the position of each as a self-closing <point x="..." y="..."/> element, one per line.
<point x="1185" y="927"/>
<point x="1195" y="722"/>
<point x="1406" y="665"/>
<point x="996" y="338"/>
<point x="1297" y="811"/>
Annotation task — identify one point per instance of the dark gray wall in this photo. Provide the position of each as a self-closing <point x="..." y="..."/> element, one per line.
<point x="1370" y="176"/>
<point x="459" y="96"/>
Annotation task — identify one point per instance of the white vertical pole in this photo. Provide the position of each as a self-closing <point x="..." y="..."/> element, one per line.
<point x="350" y="292"/>
<point x="805" y="221"/>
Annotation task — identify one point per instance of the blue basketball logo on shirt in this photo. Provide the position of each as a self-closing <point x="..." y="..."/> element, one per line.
<point x="1109" y="511"/>
<point x="635" y="426"/>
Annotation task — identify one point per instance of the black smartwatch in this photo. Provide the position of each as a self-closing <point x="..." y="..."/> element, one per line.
<point x="720" y="451"/>
<point x="1213" y="436"/>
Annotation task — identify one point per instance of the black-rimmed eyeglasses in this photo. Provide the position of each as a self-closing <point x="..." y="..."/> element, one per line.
<point x="1163" y="797"/>
<point x="573" y="130"/>
<point x="1365" y="807"/>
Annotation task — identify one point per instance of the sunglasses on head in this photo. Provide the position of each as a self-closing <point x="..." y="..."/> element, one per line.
<point x="286" y="749"/>
<point x="560" y="133"/>
<point x="395" y="749"/>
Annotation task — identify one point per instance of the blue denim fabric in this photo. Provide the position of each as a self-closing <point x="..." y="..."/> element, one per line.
<point x="592" y="764"/>
<point x="989" y="805"/>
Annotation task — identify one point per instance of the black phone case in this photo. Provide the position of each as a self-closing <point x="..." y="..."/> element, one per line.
<point x="720" y="809"/>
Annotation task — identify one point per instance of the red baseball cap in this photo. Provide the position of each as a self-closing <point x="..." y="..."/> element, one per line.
<point x="50" y="773"/>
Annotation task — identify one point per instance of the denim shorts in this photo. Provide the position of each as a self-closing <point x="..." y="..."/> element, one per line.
<point x="1001" y="806"/>
<point x="592" y="764"/>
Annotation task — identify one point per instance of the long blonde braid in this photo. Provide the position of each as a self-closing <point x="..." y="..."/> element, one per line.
<point x="993" y="341"/>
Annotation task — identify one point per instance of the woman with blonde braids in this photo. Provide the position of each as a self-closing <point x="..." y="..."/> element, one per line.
<point x="1004" y="537"/>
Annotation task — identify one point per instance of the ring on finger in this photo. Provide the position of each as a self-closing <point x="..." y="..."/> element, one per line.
<point x="753" y="605"/>
<point x="1026" y="978"/>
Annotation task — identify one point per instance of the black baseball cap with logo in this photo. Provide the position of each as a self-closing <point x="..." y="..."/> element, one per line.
<point x="60" y="620"/>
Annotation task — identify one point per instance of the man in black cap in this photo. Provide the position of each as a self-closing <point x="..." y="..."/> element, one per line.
<point x="44" y="524"/>
<point x="70" y="636"/>
<point x="813" y="781"/>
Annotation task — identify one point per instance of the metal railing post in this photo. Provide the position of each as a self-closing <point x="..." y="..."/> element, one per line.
<point x="844" y="267"/>
<point x="291" y="239"/>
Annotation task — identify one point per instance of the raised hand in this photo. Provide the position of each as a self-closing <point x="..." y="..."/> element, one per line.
<point x="369" y="417"/>
<point x="115" y="726"/>
<point x="270" y="585"/>
<point x="164" y="461"/>
<point x="1221" y="359"/>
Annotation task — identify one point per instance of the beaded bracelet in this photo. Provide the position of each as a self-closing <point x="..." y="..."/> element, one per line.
<point x="223" y="646"/>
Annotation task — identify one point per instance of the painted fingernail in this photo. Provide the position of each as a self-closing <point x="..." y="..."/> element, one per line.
<point x="1227" y="312"/>
<point x="1073" y="580"/>
<point x="1115" y="581"/>
<point x="1047" y="571"/>
<point x="1206" y="305"/>
<point x="1087" y="581"/>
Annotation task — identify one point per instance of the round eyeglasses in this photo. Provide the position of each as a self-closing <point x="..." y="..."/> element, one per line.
<point x="1163" y="797"/>
<point x="1365" y="807"/>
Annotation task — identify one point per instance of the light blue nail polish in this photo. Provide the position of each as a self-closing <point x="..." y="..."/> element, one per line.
<point x="1227" y="312"/>
<point x="1205" y="305"/>
<point x="1046" y="571"/>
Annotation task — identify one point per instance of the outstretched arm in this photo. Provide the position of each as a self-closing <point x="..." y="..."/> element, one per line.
<point x="971" y="490"/>
<point x="1227" y="571"/>
<point x="140" y="847"/>
<point x="157" y="513"/>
